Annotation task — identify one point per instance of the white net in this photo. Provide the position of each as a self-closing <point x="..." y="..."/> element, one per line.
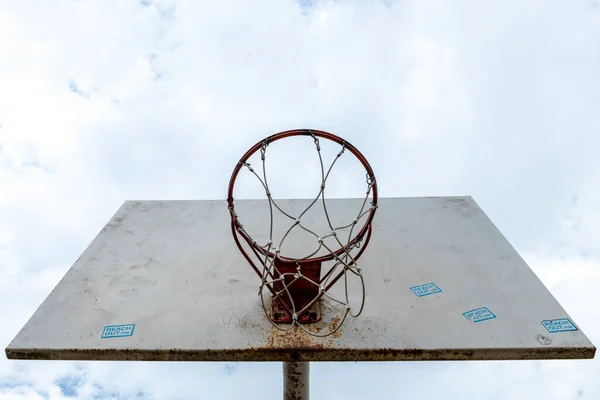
<point x="296" y="284"/>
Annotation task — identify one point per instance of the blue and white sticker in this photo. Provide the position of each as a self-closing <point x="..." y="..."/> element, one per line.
<point x="479" y="314"/>
<point x="426" y="289"/>
<point x="116" y="331"/>
<point x="559" y="325"/>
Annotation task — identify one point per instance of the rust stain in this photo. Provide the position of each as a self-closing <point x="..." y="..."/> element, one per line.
<point x="310" y="354"/>
<point x="297" y="339"/>
<point x="294" y="339"/>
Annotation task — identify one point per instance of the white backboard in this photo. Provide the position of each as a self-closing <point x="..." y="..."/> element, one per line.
<point x="164" y="280"/>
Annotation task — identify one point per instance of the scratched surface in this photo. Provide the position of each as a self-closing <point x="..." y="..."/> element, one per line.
<point x="164" y="281"/>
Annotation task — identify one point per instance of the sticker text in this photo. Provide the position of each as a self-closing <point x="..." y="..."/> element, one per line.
<point x="115" y="331"/>
<point x="426" y="289"/>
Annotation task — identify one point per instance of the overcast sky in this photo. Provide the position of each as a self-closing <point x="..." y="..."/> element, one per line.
<point x="104" y="101"/>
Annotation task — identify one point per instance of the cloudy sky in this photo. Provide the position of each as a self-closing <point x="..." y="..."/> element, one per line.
<point x="103" y="101"/>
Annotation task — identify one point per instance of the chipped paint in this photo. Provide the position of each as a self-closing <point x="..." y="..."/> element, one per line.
<point x="302" y="354"/>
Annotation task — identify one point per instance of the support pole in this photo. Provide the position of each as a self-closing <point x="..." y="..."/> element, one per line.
<point x="296" y="380"/>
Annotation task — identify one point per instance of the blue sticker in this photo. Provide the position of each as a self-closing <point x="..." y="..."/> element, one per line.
<point x="115" y="331"/>
<point x="559" y="325"/>
<point x="479" y="314"/>
<point x="426" y="289"/>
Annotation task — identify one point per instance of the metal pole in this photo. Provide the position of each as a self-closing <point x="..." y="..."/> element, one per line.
<point x="296" y="380"/>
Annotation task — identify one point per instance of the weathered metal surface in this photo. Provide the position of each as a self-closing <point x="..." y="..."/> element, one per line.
<point x="301" y="292"/>
<point x="171" y="269"/>
<point x="296" y="380"/>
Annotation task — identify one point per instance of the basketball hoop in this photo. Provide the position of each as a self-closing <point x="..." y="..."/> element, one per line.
<point x="296" y="284"/>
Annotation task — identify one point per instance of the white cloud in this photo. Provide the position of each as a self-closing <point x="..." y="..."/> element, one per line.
<point x="106" y="101"/>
